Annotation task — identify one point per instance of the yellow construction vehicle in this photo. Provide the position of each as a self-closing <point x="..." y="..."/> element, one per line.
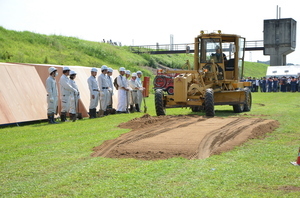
<point x="214" y="80"/>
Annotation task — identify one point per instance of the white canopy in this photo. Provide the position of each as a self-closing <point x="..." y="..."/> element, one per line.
<point x="280" y="71"/>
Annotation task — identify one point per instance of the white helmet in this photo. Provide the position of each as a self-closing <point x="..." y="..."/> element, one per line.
<point x="66" y="68"/>
<point x="72" y="73"/>
<point x="51" y="69"/>
<point x="122" y="69"/>
<point x="110" y="70"/>
<point x="94" y="70"/>
<point x="104" y="67"/>
<point x="134" y="75"/>
<point x="139" y="72"/>
<point x="127" y="72"/>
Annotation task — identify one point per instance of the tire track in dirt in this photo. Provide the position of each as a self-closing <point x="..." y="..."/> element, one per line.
<point x="130" y="137"/>
<point x="224" y="134"/>
<point x="192" y="137"/>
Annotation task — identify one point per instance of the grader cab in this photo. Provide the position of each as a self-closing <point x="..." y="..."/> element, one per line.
<point x="214" y="80"/>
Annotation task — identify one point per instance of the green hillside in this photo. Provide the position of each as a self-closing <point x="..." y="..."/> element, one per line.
<point x="28" y="47"/>
<point x="254" y="69"/>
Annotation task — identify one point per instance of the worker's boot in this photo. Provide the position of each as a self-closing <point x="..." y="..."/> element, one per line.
<point x="106" y="112"/>
<point x="73" y="117"/>
<point x="50" y="121"/>
<point x="91" y="113"/>
<point x="137" y="108"/>
<point x="94" y="113"/>
<point x="63" y="116"/>
<point x="101" y="113"/>
<point x="131" y="109"/>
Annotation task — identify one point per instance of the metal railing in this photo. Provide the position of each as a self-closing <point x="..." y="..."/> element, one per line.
<point x="182" y="48"/>
<point x="254" y="45"/>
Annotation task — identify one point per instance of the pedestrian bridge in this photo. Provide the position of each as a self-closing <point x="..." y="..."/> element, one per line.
<point x="182" y="48"/>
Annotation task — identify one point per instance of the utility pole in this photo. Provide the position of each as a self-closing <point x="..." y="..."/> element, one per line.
<point x="171" y="42"/>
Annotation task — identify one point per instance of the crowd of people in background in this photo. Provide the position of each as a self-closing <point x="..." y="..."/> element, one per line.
<point x="112" y="42"/>
<point x="274" y="84"/>
<point x="129" y="87"/>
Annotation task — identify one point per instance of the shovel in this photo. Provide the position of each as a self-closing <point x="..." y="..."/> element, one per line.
<point x="145" y="107"/>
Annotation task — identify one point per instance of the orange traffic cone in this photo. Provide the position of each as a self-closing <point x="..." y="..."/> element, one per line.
<point x="297" y="163"/>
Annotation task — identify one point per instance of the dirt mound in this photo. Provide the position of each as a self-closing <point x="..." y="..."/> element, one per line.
<point x="188" y="136"/>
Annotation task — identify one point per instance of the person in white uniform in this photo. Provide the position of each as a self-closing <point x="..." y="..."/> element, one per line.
<point x="140" y="91"/>
<point x="134" y="85"/>
<point x="111" y="91"/>
<point x="52" y="94"/>
<point x="103" y="88"/>
<point x="73" y="98"/>
<point x="65" y="91"/>
<point x="122" y="91"/>
<point x="94" y="93"/>
<point x="128" y="74"/>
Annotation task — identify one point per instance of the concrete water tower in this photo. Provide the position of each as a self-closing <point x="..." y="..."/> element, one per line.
<point x="279" y="39"/>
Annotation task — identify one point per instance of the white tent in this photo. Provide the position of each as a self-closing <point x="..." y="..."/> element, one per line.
<point x="280" y="71"/>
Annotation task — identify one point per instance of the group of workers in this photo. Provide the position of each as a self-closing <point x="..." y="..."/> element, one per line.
<point x="101" y="91"/>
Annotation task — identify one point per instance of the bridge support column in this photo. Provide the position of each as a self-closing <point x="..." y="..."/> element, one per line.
<point x="279" y="39"/>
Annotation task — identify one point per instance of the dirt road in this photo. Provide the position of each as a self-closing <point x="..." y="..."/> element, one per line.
<point x="191" y="137"/>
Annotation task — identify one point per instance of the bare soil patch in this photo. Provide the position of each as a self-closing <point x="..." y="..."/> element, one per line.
<point x="289" y="188"/>
<point x="188" y="136"/>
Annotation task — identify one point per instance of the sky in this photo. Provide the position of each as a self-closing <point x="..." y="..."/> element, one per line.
<point x="140" y="22"/>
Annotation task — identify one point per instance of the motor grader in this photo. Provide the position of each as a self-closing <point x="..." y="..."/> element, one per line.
<point x="214" y="80"/>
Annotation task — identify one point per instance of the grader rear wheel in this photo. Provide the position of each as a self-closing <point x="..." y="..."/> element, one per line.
<point x="248" y="100"/>
<point x="238" y="108"/>
<point x="159" y="102"/>
<point x="209" y="103"/>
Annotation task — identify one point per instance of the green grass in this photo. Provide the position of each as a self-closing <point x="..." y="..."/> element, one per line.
<point x="42" y="160"/>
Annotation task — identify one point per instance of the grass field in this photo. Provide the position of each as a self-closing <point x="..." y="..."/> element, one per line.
<point x="41" y="160"/>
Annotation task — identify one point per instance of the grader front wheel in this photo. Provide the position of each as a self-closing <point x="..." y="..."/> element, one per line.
<point x="209" y="103"/>
<point x="159" y="102"/>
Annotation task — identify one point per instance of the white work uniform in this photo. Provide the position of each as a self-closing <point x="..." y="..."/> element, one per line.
<point x="134" y="96"/>
<point x="74" y="98"/>
<point x="140" y="92"/>
<point x="122" y="93"/>
<point x="65" y="91"/>
<point x="104" y="94"/>
<point x="52" y="96"/>
<point x="111" y="90"/>
<point x="94" y="90"/>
